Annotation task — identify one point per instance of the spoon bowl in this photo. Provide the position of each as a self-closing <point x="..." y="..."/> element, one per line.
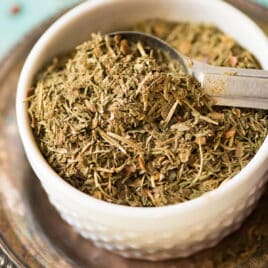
<point x="228" y="86"/>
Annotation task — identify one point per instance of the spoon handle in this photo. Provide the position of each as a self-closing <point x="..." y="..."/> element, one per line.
<point x="234" y="87"/>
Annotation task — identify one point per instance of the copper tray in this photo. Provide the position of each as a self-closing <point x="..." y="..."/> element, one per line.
<point x="32" y="234"/>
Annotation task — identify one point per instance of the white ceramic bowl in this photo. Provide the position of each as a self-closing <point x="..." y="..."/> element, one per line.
<point x="148" y="233"/>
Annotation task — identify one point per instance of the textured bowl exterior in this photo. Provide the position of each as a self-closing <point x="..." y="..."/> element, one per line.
<point x="132" y="243"/>
<point x="144" y="243"/>
<point x="147" y="233"/>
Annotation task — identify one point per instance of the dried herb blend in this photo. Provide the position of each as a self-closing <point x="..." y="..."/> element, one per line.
<point x="202" y="42"/>
<point x="118" y="121"/>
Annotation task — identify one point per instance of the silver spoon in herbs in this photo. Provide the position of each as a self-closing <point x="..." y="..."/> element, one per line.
<point x="228" y="86"/>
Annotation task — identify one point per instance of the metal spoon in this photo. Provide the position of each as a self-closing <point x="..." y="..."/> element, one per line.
<point x="228" y="86"/>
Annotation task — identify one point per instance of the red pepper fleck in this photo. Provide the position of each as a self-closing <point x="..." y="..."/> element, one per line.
<point x="141" y="163"/>
<point x="29" y="92"/>
<point x="180" y="118"/>
<point x="233" y="61"/>
<point x="15" y="9"/>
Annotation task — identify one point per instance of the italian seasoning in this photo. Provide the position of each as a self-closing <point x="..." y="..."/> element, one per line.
<point x="120" y="122"/>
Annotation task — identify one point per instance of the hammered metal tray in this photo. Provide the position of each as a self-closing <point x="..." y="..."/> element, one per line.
<point x="32" y="234"/>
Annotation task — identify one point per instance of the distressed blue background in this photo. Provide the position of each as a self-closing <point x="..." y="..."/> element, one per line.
<point x="33" y="12"/>
<point x="262" y="2"/>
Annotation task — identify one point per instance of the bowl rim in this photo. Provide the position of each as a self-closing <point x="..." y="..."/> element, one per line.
<point x="38" y="162"/>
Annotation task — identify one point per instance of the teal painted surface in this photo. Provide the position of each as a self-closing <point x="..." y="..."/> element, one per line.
<point x="14" y="26"/>
<point x="262" y="2"/>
